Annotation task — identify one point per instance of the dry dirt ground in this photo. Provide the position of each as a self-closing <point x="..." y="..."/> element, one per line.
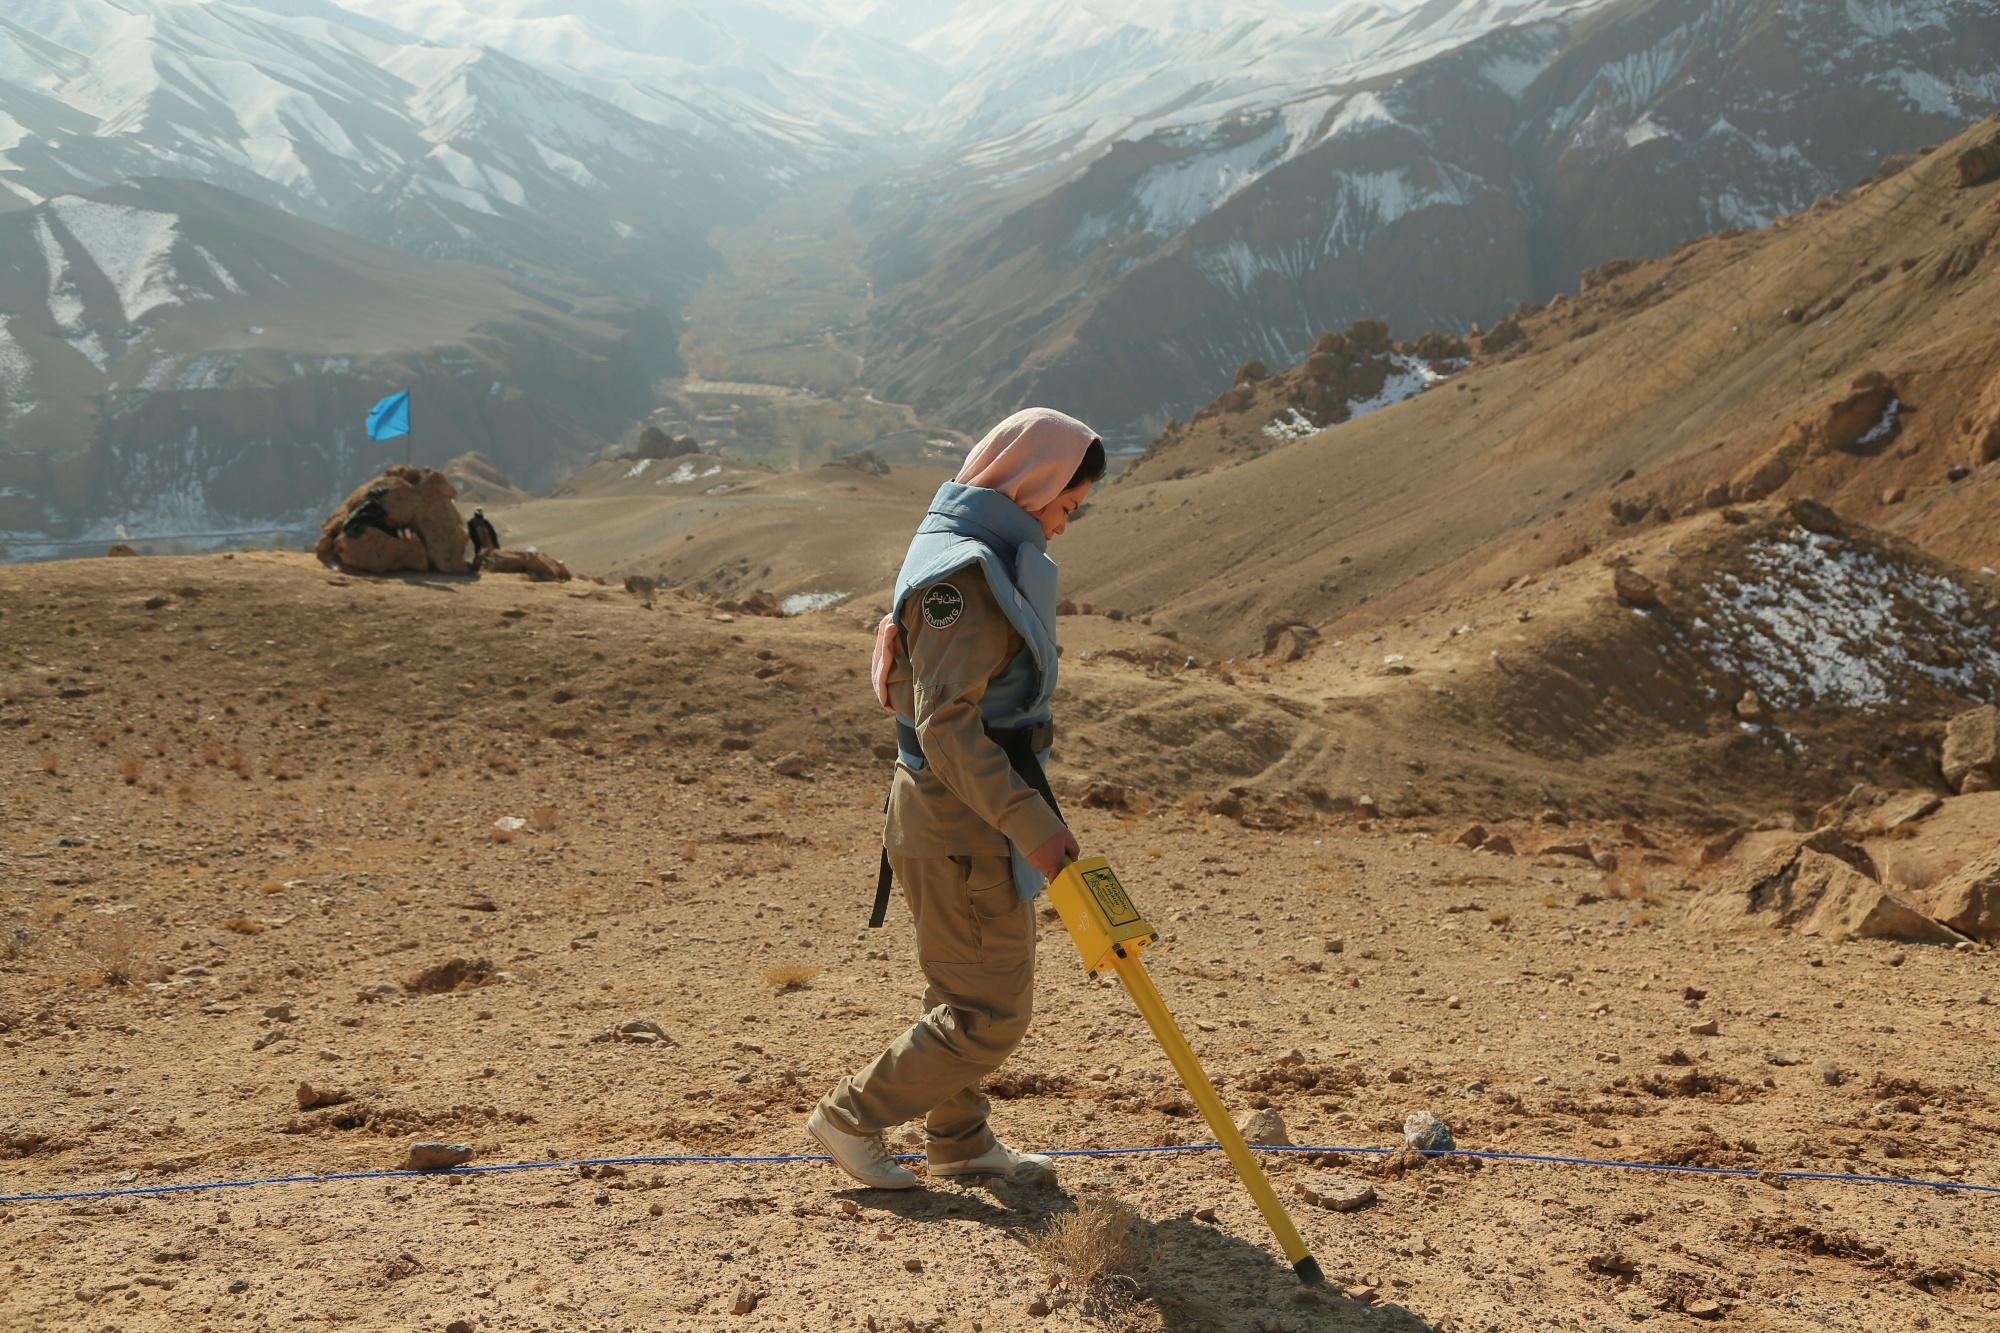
<point x="242" y="793"/>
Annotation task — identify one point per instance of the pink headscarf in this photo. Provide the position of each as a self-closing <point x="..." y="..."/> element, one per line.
<point x="1029" y="458"/>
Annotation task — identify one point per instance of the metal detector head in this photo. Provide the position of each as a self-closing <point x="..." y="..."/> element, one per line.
<point x="1099" y="915"/>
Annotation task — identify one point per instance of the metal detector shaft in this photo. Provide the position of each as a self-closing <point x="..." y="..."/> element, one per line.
<point x="1110" y="933"/>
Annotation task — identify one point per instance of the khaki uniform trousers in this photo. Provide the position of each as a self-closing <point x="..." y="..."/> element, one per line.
<point x="976" y="946"/>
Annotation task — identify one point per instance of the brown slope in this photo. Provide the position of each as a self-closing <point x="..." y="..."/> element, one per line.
<point x="1687" y="373"/>
<point x="723" y="528"/>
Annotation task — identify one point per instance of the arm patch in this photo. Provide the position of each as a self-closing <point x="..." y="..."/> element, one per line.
<point x="943" y="605"/>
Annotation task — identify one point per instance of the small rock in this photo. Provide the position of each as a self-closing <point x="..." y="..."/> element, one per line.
<point x="1957" y="472"/>
<point x="1895" y="495"/>
<point x="1829" y="1073"/>
<point x="1750" y="708"/>
<point x="1634" y="588"/>
<point x="1367" y="808"/>
<point x="282" y="1012"/>
<point x="1265" y="1128"/>
<point x="1400" y="1074"/>
<point x="436" y="1156"/>
<point x="1579" y="850"/>
<point x="1472" y="837"/>
<point x="1708" y="1027"/>
<point x="459" y="1326"/>
<point x="1038" y="1307"/>
<point x="793" y="765"/>
<point x="1336" y="946"/>
<point x="1703" y="1309"/>
<point x="1784" y="1059"/>
<point x="1204" y="1214"/>
<point x="311" y="1098"/>
<point x="1693" y="993"/>
<point x="239" y="1285"/>
<point x="747" y="1297"/>
<point x="1426" y="1133"/>
<point x="121" y="552"/>
<point x="1499" y="844"/>
<point x="329" y="1055"/>
<point x="913" y="1265"/>
<point x="657" y="1210"/>
<point x="1773" y="1179"/>
<point x="1335" y="1194"/>
<point x="1614" y="1261"/>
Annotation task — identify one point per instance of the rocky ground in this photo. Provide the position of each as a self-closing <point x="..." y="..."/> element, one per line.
<point x="255" y="810"/>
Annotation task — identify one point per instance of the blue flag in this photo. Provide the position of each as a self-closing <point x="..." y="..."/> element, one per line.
<point x="390" y="417"/>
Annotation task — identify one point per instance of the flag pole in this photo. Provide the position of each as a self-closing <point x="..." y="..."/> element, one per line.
<point x="409" y="430"/>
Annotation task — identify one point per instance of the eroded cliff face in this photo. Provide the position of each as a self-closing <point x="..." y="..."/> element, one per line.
<point x="1439" y="197"/>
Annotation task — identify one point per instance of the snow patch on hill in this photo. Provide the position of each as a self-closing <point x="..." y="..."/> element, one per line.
<point x="1822" y="620"/>
<point x="132" y="247"/>
<point x="15" y="368"/>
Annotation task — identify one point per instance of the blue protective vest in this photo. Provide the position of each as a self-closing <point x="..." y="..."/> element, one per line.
<point x="970" y="525"/>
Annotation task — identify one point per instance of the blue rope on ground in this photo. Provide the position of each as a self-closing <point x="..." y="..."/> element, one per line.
<point x="1540" y="1159"/>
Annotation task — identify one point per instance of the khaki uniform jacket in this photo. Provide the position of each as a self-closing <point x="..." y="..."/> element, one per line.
<point x="967" y="801"/>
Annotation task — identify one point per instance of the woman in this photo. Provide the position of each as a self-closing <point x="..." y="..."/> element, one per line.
<point x="967" y="661"/>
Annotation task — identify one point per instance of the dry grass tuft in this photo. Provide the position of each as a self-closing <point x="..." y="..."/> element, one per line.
<point x="52" y="764"/>
<point x="1500" y="920"/>
<point x="790" y="976"/>
<point x="545" y="819"/>
<point x="121" y="954"/>
<point x="132" y="768"/>
<point x="1098" y="1252"/>
<point x="243" y="925"/>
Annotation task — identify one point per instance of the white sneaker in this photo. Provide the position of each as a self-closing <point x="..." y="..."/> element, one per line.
<point x="863" y="1156"/>
<point x="1020" y="1168"/>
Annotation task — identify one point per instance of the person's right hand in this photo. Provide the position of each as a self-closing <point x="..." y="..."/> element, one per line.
<point x="1049" y="857"/>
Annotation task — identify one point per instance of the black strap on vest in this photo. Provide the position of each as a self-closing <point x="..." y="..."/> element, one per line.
<point x="1023" y="747"/>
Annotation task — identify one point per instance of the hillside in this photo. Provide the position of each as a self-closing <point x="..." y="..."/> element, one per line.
<point x="595" y="889"/>
<point x="1848" y="353"/>
<point x="724" y="529"/>
<point x="181" y="363"/>
<point x="1434" y="181"/>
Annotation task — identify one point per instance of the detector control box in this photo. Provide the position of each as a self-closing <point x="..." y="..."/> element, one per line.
<point x="1098" y="913"/>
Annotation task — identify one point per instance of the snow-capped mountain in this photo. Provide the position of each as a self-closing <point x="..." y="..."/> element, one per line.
<point x="1437" y="194"/>
<point x="1106" y="204"/>
<point x="445" y="150"/>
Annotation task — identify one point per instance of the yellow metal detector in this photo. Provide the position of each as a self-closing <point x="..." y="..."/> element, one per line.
<point x="1110" y="934"/>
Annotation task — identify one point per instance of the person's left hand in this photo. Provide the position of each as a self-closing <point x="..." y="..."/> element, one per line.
<point x="1051" y="856"/>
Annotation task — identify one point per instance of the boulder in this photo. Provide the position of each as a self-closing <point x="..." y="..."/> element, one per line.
<point x="538" y="567"/>
<point x="1286" y="641"/>
<point x="1969" y="900"/>
<point x="1250" y="372"/>
<point x="373" y="551"/>
<point x="1979" y="163"/>
<point x="865" y="461"/>
<point x="403" y="521"/>
<point x="1813" y="516"/>
<point x="1369" y="335"/>
<point x="758" y="603"/>
<point x="1823" y="885"/>
<point x="1851" y="904"/>
<point x="657" y="444"/>
<point x="1265" y="1129"/>
<point x="1972" y="749"/>
<point x="1844" y="424"/>
<point x="1634" y="588"/>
